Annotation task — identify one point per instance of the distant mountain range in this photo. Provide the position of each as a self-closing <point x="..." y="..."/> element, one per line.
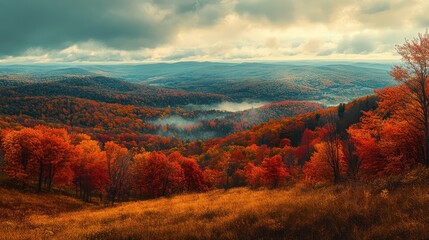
<point x="328" y="83"/>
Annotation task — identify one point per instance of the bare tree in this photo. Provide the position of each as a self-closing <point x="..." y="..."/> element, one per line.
<point x="333" y="145"/>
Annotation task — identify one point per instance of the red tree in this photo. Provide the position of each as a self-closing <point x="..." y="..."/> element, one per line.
<point x="158" y="176"/>
<point x="119" y="161"/>
<point x="274" y="171"/>
<point x="42" y="154"/>
<point x="254" y="175"/>
<point x="91" y="169"/>
<point x="58" y="156"/>
<point x="23" y="154"/>
<point x="414" y="76"/>
<point x="194" y="177"/>
<point x="319" y="168"/>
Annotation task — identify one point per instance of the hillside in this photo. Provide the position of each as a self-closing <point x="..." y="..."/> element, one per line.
<point x="48" y="104"/>
<point x="219" y="124"/>
<point x="385" y="209"/>
<point x="108" y="90"/>
<point x="271" y="133"/>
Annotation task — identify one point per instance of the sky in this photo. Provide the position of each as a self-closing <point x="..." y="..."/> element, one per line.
<point x="138" y="31"/>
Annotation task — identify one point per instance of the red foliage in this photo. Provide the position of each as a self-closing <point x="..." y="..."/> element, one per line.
<point x="254" y="175"/>
<point x="23" y="152"/>
<point x="194" y="177"/>
<point x="212" y="178"/>
<point x="42" y="154"/>
<point x="274" y="171"/>
<point x="119" y="163"/>
<point x="91" y="169"/>
<point x="320" y="168"/>
<point x="306" y="148"/>
<point x="385" y="146"/>
<point x="158" y="176"/>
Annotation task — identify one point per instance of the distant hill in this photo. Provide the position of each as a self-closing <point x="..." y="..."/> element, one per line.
<point x="326" y="82"/>
<point x="110" y="90"/>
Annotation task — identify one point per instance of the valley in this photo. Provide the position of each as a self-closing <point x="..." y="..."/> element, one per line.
<point x="214" y="119"/>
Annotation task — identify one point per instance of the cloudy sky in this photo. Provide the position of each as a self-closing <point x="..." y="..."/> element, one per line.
<point x="205" y="30"/>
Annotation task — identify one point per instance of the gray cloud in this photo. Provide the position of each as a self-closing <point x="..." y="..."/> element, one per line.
<point x="385" y="14"/>
<point x="289" y="11"/>
<point x="326" y="52"/>
<point x="168" y="30"/>
<point x="274" y="11"/>
<point x="183" y="54"/>
<point x="374" y="7"/>
<point x="358" y="44"/>
<point x="125" y="24"/>
<point x="370" y="13"/>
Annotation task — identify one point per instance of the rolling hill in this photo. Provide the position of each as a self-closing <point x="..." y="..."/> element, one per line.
<point x="326" y="82"/>
<point x="108" y="90"/>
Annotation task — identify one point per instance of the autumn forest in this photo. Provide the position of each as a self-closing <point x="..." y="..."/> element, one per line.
<point x="170" y="159"/>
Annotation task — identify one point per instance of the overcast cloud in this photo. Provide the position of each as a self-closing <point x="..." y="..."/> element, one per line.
<point x="242" y="30"/>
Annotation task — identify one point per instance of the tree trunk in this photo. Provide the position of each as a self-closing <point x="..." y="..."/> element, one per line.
<point x="337" y="174"/>
<point x="426" y="123"/>
<point x="39" y="184"/>
<point x="49" y="184"/>
<point x="425" y="115"/>
<point x="50" y="178"/>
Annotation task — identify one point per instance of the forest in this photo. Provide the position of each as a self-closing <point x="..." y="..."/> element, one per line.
<point x="104" y="149"/>
<point x="371" y="137"/>
<point x="272" y="155"/>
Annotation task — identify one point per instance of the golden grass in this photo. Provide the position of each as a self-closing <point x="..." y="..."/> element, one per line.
<point x="16" y="205"/>
<point x="302" y="212"/>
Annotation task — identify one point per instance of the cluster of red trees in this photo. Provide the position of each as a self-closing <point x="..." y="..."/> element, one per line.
<point x="395" y="136"/>
<point x="320" y="156"/>
<point x="254" y="166"/>
<point x="49" y="156"/>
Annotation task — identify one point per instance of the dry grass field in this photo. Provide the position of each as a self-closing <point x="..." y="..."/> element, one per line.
<point x="395" y="208"/>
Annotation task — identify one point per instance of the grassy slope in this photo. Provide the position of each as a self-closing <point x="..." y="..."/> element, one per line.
<point x="16" y="208"/>
<point x="395" y="208"/>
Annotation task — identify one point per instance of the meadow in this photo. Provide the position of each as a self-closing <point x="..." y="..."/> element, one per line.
<point x="391" y="208"/>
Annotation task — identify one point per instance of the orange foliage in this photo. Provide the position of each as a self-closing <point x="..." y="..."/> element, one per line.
<point x="274" y="171"/>
<point x="42" y="154"/>
<point x="320" y="168"/>
<point x="254" y="175"/>
<point x="91" y="169"/>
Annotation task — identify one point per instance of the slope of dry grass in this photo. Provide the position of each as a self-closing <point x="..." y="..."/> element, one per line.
<point x="395" y="208"/>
